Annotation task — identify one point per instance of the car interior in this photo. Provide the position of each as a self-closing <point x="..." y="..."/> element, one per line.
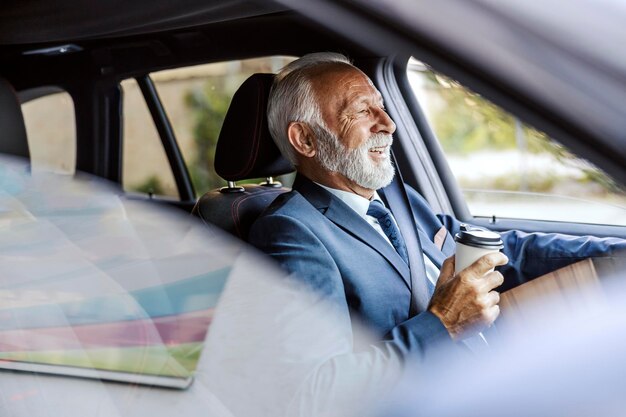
<point x="61" y="53"/>
<point x="103" y="67"/>
<point x="91" y="73"/>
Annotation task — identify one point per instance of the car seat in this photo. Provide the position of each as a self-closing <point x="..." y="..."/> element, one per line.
<point x="14" y="140"/>
<point x="245" y="150"/>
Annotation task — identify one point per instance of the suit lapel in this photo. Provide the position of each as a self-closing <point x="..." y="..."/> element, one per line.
<point x="343" y="216"/>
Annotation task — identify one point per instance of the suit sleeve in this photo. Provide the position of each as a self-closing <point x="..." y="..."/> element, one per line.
<point x="530" y="254"/>
<point x="534" y="254"/>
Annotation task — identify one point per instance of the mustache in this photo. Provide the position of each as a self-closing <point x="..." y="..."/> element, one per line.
<point x="378" y="139"/>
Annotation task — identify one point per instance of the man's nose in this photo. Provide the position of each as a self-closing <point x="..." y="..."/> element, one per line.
<point x="384" y="124"/>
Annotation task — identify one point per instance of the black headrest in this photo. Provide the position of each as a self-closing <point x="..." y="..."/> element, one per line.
<point x="13" y="140"/>
<point x="245" y="148"/>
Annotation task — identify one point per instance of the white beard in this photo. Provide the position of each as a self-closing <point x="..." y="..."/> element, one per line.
<point x="355" y="164"/>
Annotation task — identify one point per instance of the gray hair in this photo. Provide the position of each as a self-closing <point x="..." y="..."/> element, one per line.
<point x="292" y="99"/>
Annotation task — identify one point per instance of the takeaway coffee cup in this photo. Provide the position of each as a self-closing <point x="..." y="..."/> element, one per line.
<point x="472" y="244"/>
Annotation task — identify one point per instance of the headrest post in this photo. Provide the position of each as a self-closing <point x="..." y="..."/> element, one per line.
<point x="231" y="188"/>
<point x="269" y="182"/>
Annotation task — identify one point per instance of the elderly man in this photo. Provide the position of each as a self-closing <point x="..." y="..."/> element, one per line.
<point x="334" y="232"/>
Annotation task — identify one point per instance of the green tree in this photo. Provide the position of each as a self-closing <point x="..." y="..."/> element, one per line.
<point x="209" y="106"/>
<point x="152" y="185"/>
<point x="465" y="123"/>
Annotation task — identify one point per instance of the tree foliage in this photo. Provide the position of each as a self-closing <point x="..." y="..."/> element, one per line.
<point x="152" y="185"/>
<point x="465" y="122"/>
<point x="209" y="106"/>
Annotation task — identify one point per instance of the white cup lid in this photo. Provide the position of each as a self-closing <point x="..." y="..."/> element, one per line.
<point x="479" y="238"/>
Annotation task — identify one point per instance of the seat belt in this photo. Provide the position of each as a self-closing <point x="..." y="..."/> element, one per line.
<point x="399" y="204"/>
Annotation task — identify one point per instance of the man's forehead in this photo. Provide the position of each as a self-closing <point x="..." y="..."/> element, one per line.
<point x="340" y="79"/>
<point x="338" y="72"/>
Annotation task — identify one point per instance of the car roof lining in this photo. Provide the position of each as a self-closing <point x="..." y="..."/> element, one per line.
<point x="42" y="21"/>
<point x="282" y="33"/>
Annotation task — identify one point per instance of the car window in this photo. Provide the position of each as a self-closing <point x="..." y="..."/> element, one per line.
<point x="51" y="130"/>
<point x="508" y="169"/>
<point x="196" y="99"/>
<point x="145" y="166"/>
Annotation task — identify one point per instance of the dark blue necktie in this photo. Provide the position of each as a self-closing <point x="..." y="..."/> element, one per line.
<point x="380" y="213"/>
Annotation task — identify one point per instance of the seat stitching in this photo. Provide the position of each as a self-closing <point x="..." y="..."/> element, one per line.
<point x="235" y="208"/>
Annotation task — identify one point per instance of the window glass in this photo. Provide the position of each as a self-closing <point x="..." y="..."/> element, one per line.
<point x="196" y="100"/>
<point x="51" y="130"/>
<point x="145" y="168"/>
<point x="505" y="167"/>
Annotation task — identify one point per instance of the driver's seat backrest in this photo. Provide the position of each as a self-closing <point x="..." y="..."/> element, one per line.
<point x="245" y="150"/>
<point x="13" y="140"/>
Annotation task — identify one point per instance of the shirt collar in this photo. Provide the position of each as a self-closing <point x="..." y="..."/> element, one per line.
<point x="353" y="200"/>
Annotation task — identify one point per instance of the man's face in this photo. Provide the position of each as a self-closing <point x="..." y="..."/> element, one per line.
<point x="358" y="140"/>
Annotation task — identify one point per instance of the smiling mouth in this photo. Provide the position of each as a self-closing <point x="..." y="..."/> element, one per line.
<point x="378" y="149"/>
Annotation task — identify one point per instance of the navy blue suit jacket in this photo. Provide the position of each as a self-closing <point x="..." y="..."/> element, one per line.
<point x="323" y="242"/>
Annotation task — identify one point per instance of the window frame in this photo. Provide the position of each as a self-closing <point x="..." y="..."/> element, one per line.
<point x="42" y="91"/>
<point x="166" y="133"/>
<point x="453" y="191"/>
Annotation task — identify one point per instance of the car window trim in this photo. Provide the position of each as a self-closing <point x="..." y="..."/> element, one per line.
<point x="413" y="156"/>
<point x="569" y="228"/>
<point x="168" y="138"/>
<point x="449" y="185"/>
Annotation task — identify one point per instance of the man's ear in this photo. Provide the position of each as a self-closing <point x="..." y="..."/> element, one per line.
<point x="301" y="138"/>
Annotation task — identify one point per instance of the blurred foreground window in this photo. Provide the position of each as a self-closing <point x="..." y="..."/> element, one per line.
<point x="508" y="169"/>
<point x="51" y="130"/>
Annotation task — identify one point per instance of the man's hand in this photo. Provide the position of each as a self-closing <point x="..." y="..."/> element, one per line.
<point x="465" y="303"/>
